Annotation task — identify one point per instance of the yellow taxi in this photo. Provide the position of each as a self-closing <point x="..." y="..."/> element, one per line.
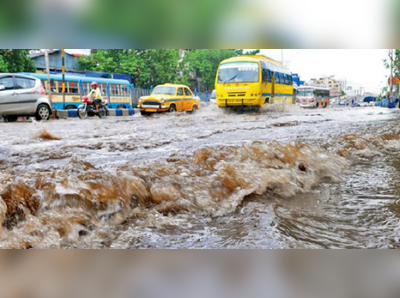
<point x="169" y="98"/>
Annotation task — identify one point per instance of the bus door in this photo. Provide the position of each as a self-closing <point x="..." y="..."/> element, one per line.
<point x="131" y="95"/>
<point x="109" y="87"/>
<point x="81" y="89"/>
<point x="274" y="80"/>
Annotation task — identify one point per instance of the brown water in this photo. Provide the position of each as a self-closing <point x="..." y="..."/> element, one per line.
<point x="298" y="180"/>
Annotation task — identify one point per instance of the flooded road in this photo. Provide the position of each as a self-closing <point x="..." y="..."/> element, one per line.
<point x="297" y="179"/>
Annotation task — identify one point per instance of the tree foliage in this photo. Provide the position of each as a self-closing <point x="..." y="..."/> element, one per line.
<point x="204" y="63"/>
<point x="147" y="67"/>
<point x="16" y="61"/>
<point x="396" y="62"/>
<point x="153" y="67"/>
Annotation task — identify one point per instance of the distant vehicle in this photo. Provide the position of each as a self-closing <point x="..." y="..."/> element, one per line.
<point x="213" y="98"/>
<point x="169" y="98"/>
<point x="252" y="81"/>
<point x="313" y="97"/>
<point x="22" y="95"/>
<point x="372" y="103"/>
<point x="116" y="92"/>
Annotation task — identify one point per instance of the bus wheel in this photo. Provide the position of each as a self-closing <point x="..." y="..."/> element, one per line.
<point x="121" y="107"/>
<point x="70" y="108"/>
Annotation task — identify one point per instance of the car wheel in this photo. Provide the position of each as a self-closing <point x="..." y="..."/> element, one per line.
<point x="172" y="109"/>
<point x="43" y="112"/>
<point x="193" y="111"/>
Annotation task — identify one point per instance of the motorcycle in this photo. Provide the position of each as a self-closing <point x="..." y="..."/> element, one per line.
<point x="87" y="108"/>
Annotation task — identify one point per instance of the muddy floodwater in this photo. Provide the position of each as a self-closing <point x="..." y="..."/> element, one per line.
<point x="277" y="179"/>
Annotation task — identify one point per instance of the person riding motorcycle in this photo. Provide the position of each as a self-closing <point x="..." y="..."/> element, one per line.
<point x="95" y="95"/>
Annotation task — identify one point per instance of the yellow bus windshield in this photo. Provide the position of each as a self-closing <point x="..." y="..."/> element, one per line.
<point x="239" y="72"/>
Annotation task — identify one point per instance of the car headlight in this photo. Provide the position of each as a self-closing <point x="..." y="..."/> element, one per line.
<point x="140" y="100"/>
<point x="162" y="100"/>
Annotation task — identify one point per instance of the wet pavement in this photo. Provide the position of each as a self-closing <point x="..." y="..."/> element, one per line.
<point x="294" y="179"/>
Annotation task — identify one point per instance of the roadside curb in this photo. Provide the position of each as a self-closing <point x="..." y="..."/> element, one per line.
<point x="65" y="114"/>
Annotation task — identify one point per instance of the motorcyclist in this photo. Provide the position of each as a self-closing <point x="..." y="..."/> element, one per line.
<point x="95" y="95"/>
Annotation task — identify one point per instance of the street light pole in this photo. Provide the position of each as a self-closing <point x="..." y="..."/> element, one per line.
<point x="46" y="55"/>
<point x="391" y="72"/>
<point x="63" y="75"/>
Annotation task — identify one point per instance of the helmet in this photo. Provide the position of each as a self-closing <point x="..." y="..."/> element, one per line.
<point x="94" y="84"/>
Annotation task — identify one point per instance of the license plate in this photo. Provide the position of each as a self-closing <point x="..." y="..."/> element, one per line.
<point x="151" y="110"/>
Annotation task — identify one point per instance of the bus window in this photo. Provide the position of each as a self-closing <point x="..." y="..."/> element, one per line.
<point x="73" y="87"/>
<point x="266" y="73"/>
<point x="46" y="86"/>
<point x="124" y="90"/>
<point x="277" y="78"/>
<point x="60" y="84"/>
<point x="114" y="91"/>
<point x="103" y="89"/>
<point x="287" y="79"/>
<point x="86" y="88"/>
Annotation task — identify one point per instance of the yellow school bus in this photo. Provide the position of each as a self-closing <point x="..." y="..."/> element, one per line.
<point x="253" y="81"/>
<point x="169" y="98"/>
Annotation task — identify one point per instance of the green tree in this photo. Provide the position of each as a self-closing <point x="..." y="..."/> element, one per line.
<point x="247" y="52"/>
<point x="16" y="61"/>
<point x="204" y="63"/>
<point x="147" y="67"/>
<point x="396" y="62"/>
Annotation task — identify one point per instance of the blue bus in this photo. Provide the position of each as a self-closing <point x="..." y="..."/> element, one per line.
<point x="118" y="93"/>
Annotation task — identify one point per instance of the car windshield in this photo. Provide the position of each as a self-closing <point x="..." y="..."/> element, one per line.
<point x="239" y="72"/>
<point x="164" y="90"/>
<point x="306" y="92"/>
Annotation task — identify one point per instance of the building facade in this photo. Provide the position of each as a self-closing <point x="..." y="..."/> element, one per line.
<point x="335" y="86"/>
<point x="55" y="58"/>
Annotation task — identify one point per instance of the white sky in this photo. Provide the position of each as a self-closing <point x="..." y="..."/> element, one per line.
<point x="360" y="67"/>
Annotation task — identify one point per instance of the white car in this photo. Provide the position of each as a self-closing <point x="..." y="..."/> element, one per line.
<point x="213" y="98"/>
<point x="23" y="96"/>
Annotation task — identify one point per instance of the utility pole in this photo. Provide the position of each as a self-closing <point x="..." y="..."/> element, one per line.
<point x="46" y="56"/>
<point x="391" y="71"/>
<point x="63" y="75"/>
